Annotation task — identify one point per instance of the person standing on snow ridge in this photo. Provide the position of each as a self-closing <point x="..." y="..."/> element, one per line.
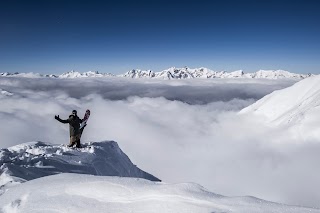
<point x="74" y="126"/>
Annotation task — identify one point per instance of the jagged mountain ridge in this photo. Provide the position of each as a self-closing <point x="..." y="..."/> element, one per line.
<point x="188" y="73"/>
<point x="173" y="73"/>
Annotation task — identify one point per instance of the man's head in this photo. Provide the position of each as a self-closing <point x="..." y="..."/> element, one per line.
<point x="74" y="112"/>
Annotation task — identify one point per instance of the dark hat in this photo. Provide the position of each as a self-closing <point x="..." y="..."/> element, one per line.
<point x="74" y="111"/>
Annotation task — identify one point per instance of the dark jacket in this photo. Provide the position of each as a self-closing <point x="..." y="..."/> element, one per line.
<point x="74" y="124"/>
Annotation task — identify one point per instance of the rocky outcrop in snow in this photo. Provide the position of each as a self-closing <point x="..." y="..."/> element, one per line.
<point x="136" y="73"/>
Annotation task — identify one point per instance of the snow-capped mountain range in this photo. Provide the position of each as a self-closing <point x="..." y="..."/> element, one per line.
<point x="172" y="73"/>
<point x="188" y="73"/>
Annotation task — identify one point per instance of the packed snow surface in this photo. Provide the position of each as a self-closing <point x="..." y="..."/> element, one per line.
<point x="87" y="193"/>
<point x="293" y="105"/>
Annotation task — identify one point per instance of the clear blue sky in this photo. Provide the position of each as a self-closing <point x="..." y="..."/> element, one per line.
<point x="55" y="36"/>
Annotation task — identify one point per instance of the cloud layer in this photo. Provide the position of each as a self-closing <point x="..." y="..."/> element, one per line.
<point x="179" y="131"/>
<point x="194" y="91"/>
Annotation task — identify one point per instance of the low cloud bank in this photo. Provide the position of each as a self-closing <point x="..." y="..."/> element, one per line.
<point x="194" y="91"/>
<point x="179" y="131"/>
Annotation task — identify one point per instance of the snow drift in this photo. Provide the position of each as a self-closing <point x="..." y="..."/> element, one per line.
<point x="32" y="160"/>
<point x="87" y="193"/>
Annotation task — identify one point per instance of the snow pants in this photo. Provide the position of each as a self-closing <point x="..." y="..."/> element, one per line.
<point x="75" y="140"/>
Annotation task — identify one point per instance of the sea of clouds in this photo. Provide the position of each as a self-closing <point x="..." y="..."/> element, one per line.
<point x="179" y="131"/>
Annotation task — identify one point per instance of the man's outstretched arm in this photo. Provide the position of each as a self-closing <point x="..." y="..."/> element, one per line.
<point x="61" y="120"/>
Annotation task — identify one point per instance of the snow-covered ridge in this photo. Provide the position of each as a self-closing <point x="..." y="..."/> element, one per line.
<point x="37" y="159"/>
<point x="173" y="73"/>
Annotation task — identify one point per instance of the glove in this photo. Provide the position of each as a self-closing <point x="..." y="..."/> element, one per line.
<point x="56" y="117"/>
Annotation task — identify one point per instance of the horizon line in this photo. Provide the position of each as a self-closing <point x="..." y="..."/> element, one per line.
<point x="172" y="67"/>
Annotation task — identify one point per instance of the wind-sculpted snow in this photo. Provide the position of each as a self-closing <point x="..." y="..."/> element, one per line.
<point x="32" y="160"/>
<point x="85" y="193"/>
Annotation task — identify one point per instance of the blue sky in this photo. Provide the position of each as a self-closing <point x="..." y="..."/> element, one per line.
<point x="56" y="36"/>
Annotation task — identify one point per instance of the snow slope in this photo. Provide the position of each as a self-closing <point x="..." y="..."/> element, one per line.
<point x="32" y="160"/>
<point x="292" y="105"/>
<point x="87" y="193"/>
